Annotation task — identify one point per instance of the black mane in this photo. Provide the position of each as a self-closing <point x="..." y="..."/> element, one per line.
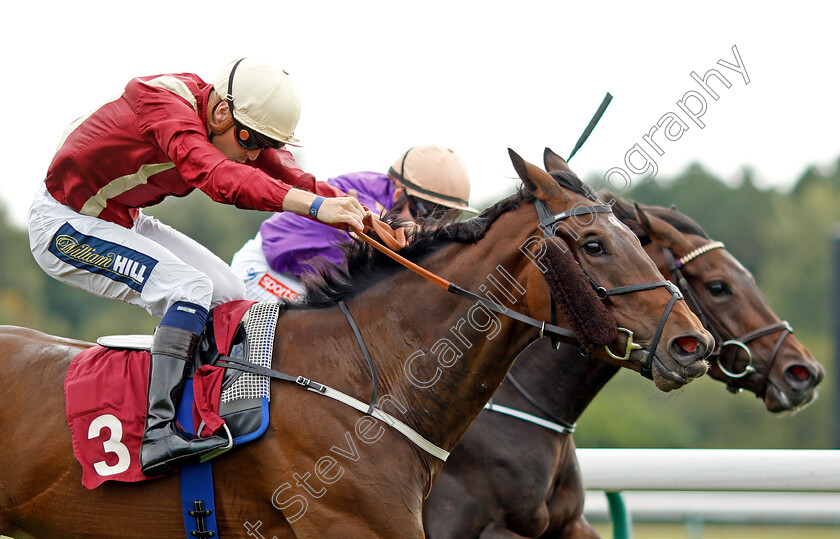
<point x="625" y="212"/>
<point x="366" y="266"/>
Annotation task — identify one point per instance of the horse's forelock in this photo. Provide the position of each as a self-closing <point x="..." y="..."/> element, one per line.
<point x="570" y="181"/>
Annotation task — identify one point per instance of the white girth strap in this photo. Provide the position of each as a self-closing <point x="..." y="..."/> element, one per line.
<point x="529" y="418"/>
<point x="401" y="427"/>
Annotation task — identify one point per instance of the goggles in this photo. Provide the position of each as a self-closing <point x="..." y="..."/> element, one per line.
<point x="247" y="138"/>
<point x="419" y="208"/>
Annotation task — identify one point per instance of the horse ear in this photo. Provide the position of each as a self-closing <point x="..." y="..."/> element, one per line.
<point x="658" y="230"/>
<point x="552" y="161"/>
<point x="536" y="181"/>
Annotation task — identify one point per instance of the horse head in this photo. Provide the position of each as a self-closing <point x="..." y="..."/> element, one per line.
<point x="658" y="333"/>
<point x="755" y="350"/>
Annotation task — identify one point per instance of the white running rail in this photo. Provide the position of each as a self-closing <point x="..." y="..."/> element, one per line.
<point x="773" y="470"/>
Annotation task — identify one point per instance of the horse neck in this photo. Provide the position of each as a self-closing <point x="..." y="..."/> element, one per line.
<point x="452" y="354"/>
<point x="562" y="382"/>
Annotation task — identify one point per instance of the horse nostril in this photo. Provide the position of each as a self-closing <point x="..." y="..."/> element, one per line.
<point x="798" y="376"/>
<point x="687" y="349"/>
<point x="688" y="344"/>
<point x="799" y="372"/>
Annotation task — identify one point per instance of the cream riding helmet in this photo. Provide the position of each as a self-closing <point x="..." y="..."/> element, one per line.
<point x="264" y="103"/>
<point x="433" y="174"/>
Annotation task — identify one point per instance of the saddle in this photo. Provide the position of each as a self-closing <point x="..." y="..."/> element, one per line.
<point x="243" y="404"/>
<point x="244" y="395"/>
<point x="105" y="389"/>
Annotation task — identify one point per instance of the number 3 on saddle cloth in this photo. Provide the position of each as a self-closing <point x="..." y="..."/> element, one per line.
<point x="105" y="392"/>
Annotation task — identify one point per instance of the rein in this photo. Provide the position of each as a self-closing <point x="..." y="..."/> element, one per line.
<point x="548" y="222"/>
<point x="676" y="265"/>
<point x="455" y="289"/>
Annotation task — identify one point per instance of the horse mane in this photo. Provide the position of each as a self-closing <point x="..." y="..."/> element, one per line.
<point x="365" y="266"/>
<point x="626" y="213"/>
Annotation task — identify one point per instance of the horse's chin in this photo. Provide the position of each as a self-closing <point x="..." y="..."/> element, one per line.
<point x="667" y="379"/>
<point x="777" y="401"/>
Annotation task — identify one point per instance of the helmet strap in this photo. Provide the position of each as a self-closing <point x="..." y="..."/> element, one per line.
<point x="217" y="128"/>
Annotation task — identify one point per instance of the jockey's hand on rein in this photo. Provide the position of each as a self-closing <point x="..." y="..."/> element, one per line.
<point x="345" y="211"/>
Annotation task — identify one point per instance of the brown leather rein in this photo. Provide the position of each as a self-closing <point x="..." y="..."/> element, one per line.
<point x="396" y="239"/>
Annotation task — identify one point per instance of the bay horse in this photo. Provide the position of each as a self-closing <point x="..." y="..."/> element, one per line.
<point x="323" y="469"/>
<point x="494" y="485"/>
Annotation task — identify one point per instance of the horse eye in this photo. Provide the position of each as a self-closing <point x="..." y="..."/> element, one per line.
<point x="718" y="288"/>
<point x="593" y="248"/>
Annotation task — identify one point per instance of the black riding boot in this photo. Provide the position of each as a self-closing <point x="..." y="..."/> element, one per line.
<point x="165" y="446"/>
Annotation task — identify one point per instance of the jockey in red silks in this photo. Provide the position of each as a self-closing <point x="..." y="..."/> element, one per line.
<point x="426" y="181"/>
<point x="167" y="135"/>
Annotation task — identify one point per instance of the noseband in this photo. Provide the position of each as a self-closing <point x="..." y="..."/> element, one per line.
<point x="548" y="224"/>
<point x="738" y="343"/>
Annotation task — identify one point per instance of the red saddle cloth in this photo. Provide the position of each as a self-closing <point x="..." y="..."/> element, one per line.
<point x="105" y="399"/>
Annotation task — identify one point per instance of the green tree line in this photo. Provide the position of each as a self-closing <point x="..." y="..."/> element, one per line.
<point x="783" y="238"/>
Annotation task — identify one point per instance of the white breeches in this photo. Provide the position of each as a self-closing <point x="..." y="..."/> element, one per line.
<point x="151" y="264"/>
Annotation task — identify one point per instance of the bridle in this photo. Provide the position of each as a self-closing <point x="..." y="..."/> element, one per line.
<point x="675" y="265"/>
<point x="548" y="224"/>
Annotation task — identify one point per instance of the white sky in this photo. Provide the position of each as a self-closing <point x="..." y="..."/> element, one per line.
<point x="380" y="77"/>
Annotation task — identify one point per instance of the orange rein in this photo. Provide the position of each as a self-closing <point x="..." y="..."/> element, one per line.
<point x="394" y="241"/>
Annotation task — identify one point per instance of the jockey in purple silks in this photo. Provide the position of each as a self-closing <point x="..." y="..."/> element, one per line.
<point x="425" y="181"/>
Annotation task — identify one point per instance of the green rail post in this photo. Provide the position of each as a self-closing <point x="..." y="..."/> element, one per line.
<point x="622" y="523"/>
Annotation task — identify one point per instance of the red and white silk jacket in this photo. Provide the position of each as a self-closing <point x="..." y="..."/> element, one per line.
<point x="152" y="142"/>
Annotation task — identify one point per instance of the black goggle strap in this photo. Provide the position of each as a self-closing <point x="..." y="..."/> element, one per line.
<point x="229" y="96"/>
<point x="255" y="141"/>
